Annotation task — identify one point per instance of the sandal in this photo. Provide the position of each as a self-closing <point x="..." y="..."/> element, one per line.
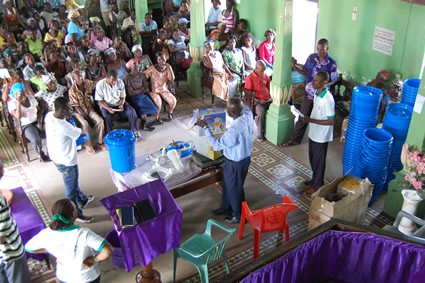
<point x="289" y="143"/>
<point x="159" y="121"/>
<point x="90" y="150"/>
<point x="138" y="136"/>
<point x="149" y="128"/>
<point x="170" y="116"/>
<point x="102" y="146"/>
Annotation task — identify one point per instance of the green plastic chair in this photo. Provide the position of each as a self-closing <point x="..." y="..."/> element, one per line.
<point x="201" y="250"/>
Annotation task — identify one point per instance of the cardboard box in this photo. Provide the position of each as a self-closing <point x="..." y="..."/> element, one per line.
<point x="215" y="118"/>
<point x="352" y="207"/>
<point x="348" y="185"/>
<point x="204" y="147"/>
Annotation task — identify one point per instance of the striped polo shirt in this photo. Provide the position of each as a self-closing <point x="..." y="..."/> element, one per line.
<point x="12" y="248"/>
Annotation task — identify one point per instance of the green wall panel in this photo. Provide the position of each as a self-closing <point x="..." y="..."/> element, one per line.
<point x="351" y="41"/>
<point x="261" y="15"/>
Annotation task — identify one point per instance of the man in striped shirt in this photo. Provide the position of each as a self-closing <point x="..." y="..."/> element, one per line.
<point x="13" y="262"/>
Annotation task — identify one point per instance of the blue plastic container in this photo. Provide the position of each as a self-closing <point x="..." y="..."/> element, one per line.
<point x="82" y="140"/>
<point x="122" y="153"/>
<point x="397" y="121"/>
<point x="410" y="91"/>
<point x="374" y="157"/>
<point x="184" y="148"/>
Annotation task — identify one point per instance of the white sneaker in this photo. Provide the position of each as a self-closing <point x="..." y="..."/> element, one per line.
<point x="84" y="219"/>
<point x="90" y="198"/>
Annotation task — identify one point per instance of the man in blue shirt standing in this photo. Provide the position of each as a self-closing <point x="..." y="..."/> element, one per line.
<point x="316" y="62"/>
<point x="236" y="143"/>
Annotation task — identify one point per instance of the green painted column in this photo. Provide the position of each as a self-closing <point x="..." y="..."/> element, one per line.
<point x="279" y="118"/>
<point x="141" y="8"/>
<point x="415" y="136"/>
<point x="197" y="50"/>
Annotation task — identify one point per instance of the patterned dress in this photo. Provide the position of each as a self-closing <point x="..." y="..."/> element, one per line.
<point x="159" y="81"/>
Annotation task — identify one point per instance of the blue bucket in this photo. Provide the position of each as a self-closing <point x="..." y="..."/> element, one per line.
<point x="410" y="91"/>
<point x="122" y="153"/>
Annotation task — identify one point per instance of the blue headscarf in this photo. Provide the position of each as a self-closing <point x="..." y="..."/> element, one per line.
<point x="15" y="89"/>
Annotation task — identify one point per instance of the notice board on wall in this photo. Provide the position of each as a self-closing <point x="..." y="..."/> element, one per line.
<point x="383" y="40"/>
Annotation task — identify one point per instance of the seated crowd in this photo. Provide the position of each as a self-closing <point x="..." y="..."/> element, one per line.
<point x="51" y="52"/>
<point x="98" y="66"/>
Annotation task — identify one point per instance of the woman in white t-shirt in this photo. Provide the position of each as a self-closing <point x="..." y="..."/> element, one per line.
<point x="77" y="250"/>
<point x="26" y="110"/>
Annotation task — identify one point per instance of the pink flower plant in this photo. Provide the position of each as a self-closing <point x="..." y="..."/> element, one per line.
<point x="415" y="169"/>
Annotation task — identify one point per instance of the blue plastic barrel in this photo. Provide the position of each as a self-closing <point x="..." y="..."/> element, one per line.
<point x="122" y="153"/>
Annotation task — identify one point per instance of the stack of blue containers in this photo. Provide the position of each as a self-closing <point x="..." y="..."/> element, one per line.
<point x="374" y="156"/>
<point x="364" y="109"/>
<point x="397" y="121"/>
<point x="410" y="91"/>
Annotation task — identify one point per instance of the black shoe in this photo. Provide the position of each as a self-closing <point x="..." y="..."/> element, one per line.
<point x="43" y="157"/>
<point x="84" y="219"/>
<point x="308" y="183"/>
<point x="149" y="128"/>
<point x="232" y="220"/>
<point x="90" y="198"/>
<point x="219" y="211"/>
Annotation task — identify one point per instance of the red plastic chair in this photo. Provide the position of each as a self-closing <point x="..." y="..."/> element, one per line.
<point x="267" y="219"/>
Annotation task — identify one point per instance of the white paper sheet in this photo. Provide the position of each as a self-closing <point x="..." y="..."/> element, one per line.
<point x="419" y="103"/>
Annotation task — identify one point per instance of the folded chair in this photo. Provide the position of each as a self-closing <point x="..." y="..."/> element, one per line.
<point x="201" y="250"/>
<point x="267" y="219"/>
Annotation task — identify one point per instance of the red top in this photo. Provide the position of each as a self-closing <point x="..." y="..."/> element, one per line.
<point x="266" y="51"/>
<point x="260" y="85"/>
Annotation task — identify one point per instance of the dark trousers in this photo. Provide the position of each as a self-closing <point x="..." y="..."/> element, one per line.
<point x="233" y="179"/>
<point x="31" y="133"/>
<point x="15" y="271"/>
<point x="260" y="118"/>
<point x="72" y="189"/>
<point x="128" y="112"/>
<point x="317" y="155"/>
<point x="300" y="126"/>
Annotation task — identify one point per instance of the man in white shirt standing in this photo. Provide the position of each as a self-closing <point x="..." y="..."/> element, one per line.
<point x="61" y="136"/>
<point x="321" y="121"/>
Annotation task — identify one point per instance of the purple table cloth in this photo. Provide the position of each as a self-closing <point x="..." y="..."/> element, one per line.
<point x="27" y="219"/>
<point x="145" y="241"/>
<point x="337" y="256"/>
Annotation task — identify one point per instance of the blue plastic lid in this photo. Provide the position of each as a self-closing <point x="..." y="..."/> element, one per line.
<point x="120" y="137"/>
<point x="82" y="140"/>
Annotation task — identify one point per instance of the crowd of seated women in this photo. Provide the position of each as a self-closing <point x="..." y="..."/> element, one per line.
<point x="49" y="49"/>
<point x="48" y="53"/>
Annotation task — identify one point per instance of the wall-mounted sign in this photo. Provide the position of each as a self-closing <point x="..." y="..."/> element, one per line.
<point x="383" y="40"/>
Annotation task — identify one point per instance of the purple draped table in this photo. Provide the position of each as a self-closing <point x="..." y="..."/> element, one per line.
<point x="337" y="256"/>
<point x="27" y="219"/>
<point x="145" y="241"/>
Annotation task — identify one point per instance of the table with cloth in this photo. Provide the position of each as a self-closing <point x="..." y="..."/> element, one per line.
<point x="145" y="241"/>
<point x="124" y="181"/>
<point x="27" y="219"/>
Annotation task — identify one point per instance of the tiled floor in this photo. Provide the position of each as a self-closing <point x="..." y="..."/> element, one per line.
<point x="270" y="177"/>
